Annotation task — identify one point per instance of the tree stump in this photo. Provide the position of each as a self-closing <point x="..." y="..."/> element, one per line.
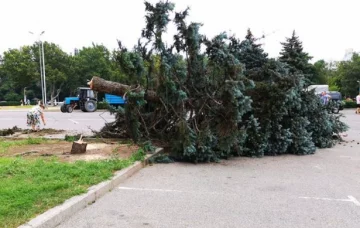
<point x="78" y="147"/>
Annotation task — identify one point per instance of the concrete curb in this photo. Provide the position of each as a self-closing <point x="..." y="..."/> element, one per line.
<point x="60" y="213"/>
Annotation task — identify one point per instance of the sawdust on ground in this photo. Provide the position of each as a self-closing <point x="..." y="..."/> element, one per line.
<point x="61" y="149"/>
<point x="42" y="132"/>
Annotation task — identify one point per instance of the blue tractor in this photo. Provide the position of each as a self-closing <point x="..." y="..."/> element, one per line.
<point x="86" y="100"/>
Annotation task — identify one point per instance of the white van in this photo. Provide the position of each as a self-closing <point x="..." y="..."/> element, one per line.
<point x="319" y="88"/>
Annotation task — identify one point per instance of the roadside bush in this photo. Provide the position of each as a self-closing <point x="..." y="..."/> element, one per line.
<point x="15" y="103"/>
<point x="349" y="104"/>
<point x="10" y="103"/>
<point x="102" y="105"/>
<point x="105" y="105"/>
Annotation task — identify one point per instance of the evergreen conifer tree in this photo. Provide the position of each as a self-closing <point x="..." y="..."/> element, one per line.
<point x="251" y="54"/>
<point x="229" y="100"/>
<point x="298" y="61"/>
<point x="310" y="120"/>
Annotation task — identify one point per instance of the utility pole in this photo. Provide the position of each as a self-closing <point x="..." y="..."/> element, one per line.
<point x="41" y="73"/>
<point x="42" y="67"/>
<point x="25" y="100"/>
<point x="43" y="55"/>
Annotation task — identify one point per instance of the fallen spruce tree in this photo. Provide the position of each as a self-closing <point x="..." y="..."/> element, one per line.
<point x="230" y="99"/>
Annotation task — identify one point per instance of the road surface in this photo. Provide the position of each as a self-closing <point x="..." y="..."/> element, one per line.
<point x="78" y="121"/>
<point x="321" y="190"/>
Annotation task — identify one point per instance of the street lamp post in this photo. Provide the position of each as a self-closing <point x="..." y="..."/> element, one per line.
<point x="43" y="61"/>
<point x="42" y="67"/>
<point x="25" y="100"/>
<point x="41" y="73"/>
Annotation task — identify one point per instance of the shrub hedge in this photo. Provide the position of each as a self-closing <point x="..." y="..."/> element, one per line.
<point x="349" y="104"/>
<point x="14" y="103"/>
<point x="102" y="105"/>
<point x="10" y="103"/>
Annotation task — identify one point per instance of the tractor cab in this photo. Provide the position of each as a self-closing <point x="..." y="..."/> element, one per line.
<point x="85" y="93"/>
<point x="86" y="100"/>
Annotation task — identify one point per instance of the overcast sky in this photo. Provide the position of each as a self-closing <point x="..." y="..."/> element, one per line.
<point x="326" y="27"/>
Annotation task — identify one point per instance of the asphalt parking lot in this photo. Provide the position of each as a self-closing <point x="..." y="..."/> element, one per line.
<point x="321" y="190"/>
<point x="77" y="121"/>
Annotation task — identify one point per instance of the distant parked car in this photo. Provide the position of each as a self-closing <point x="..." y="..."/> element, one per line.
<point x="336" y="100"/>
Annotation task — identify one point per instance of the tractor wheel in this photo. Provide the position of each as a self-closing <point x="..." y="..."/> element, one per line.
<point x="90" y="106"/>
<point x="63" y="108"/>
<point x="82" y="107"/>
<point x="69" y="109"/>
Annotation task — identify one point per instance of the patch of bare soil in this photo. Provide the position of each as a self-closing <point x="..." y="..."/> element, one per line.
<point x="18" y="131"/>
<point x="42" y="132"/>
<point x="61" y="149"/>
<point x="9" y="131"/>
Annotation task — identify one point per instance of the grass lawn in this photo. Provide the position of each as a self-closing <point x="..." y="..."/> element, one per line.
<point x="5" y="144"/>
<point x="29" y="187"/>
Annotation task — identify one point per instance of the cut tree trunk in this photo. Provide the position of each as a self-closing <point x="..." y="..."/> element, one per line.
<point x="101" y="85"/>
<point x="78" y="147"/>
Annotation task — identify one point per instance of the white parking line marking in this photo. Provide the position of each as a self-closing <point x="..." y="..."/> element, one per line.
<point x="350" y="158"/>
<point x="75" y="122"/>
<point x="327" y="199"/>
<point x="170" y="190"/>
<point x="354" y="200"/>
<point x="345" y="156"/>
<point x="149" y="189"/>
<point x="350" y="199"/>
